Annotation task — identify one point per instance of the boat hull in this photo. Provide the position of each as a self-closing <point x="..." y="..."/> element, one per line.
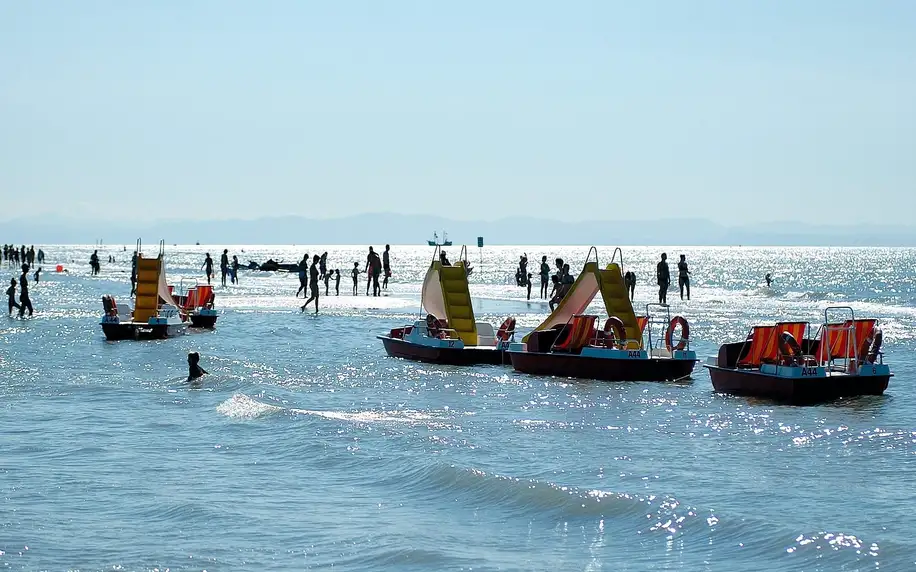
<point x="133" y="331"/>
<point x="605" y="369"/>
<point x="753" y="383"/>
<point x="444" y="356"/>
<point x="203" y="321"/>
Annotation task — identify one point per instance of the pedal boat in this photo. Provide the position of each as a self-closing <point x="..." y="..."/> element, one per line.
<point x="155" y="314"/>
<point x="196" y="305"/>
<point x="449" y="334"/>
<point x="118" y="322"/>
<point x="569" y="344"/>
<point x="432" y="341"/>
<point x="781" y="362"/>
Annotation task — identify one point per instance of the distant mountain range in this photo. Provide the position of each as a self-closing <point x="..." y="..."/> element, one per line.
<point x="416" y="229"/>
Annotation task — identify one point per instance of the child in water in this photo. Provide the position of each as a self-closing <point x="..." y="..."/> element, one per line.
<point x="194" y="369"/>
<point x="11" y="292"/>
<point x="355" y="274"/>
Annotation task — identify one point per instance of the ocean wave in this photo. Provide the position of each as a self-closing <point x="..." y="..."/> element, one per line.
<point x="241" y="406"/>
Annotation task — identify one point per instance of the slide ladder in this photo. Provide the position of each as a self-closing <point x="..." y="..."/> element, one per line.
<point x="146" y="305"/>
<point x="617" y="302"/>
<point x="457" y="297"/>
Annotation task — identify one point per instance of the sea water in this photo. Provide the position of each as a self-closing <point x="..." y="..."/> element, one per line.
<point x="306" y="447"/>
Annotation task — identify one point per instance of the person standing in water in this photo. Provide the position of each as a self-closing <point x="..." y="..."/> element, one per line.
<point x="303" y="275"/>
<point x="24" y="300"/>
<point x="208" y="266"/>
<point x="683" y="276"/>
<point x="545" y="277"/>
<point x="663" y="275"/>
<point x="629" y="281"/>
<point x="337" y="281"/>
<point x="133" y="274"/>
<point x="327" y="283"/>
<point x="769" y="279"/>
<point x="355" y="274"/>
<point x="529" y="286"/>
<point x="373" y="269"/>
<point x="224" y="266"/>
<point x="386" y="266"/>
<point x="37" y="275"/>
<point x="235" y="269"/>
<point x="313" y="284"/>
<point x="11" y="293"/>
<point x="94" y="263"/>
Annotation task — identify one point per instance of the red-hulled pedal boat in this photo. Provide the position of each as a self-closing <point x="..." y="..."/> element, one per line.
<point x="782" y="362"/>
<point x="196" y="305"/>
<point x="449" y="334"/>
<point x="569" y="344"/>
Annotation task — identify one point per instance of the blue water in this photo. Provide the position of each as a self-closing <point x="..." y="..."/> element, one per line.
<point x="307" y="447"/>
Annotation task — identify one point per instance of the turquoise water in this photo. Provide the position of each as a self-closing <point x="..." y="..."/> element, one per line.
<point x="307" y="447"/>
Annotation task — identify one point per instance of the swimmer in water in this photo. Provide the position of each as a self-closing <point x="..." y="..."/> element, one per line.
<point x="194" y="369"/>
<point x="769" y="279"/>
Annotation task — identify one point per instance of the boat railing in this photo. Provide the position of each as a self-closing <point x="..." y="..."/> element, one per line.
<point x="662" y="323"/>
<point x="614" y="256"/>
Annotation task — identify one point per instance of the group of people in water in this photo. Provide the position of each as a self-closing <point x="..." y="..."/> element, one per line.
<point x="227" y="269"/>
<point x="563" y="280"/>
<point x="14" y="256"/>
<point x="311" y="275"/>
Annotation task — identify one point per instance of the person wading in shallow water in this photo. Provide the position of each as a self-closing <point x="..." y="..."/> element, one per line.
<point x="373" y="269"/>
<point x="683" y="276"/>
<point x="303" y="275"/>
<point x="664" y="279"/>
<point x="194" y="369"/>
<point x="24" y="300"/>
<point x="11" y="293"/>
<point x="313" y="284"/>
<point x="224" y="266"/>
<point x="208" y="266"/>
<point x="386" y="266"/>
<point x="355" y="274"/>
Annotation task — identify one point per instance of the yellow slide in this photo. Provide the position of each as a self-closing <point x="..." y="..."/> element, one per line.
<point x="147" y="302"/>
<point x="617" y="301"/>
<point x="457" y="298"/>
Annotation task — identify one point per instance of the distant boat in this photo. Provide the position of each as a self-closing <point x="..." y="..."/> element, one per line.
<point x="435" y="240"/>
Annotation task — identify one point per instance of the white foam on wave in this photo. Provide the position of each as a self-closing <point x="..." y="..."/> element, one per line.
<point x="241" y="406"/>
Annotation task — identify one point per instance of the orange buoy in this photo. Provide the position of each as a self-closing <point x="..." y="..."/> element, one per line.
<point x="685" y="334"/>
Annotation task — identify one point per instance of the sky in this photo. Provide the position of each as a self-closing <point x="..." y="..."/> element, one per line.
<point x="735" y="111"/>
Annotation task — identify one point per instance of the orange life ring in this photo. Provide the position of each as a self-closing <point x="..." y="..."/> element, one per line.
<point x="506" y="330"/>
<point x="432" y="324"/>
<point x="614" y="325"/>
<point x="789" y="346"/>
<point x="685" y="334"/>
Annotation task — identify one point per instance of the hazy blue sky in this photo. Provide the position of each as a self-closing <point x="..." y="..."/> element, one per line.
<point x="731" y="110"/>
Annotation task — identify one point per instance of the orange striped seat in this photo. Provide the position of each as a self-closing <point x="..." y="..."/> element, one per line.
<point x="837" y="341"/>
<point x="760" y="338"/>
<point x="580" y="331"/>
<point x="863" y="333"/>
<point x="204" y="293"/>
<point x="190" y="299"/>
